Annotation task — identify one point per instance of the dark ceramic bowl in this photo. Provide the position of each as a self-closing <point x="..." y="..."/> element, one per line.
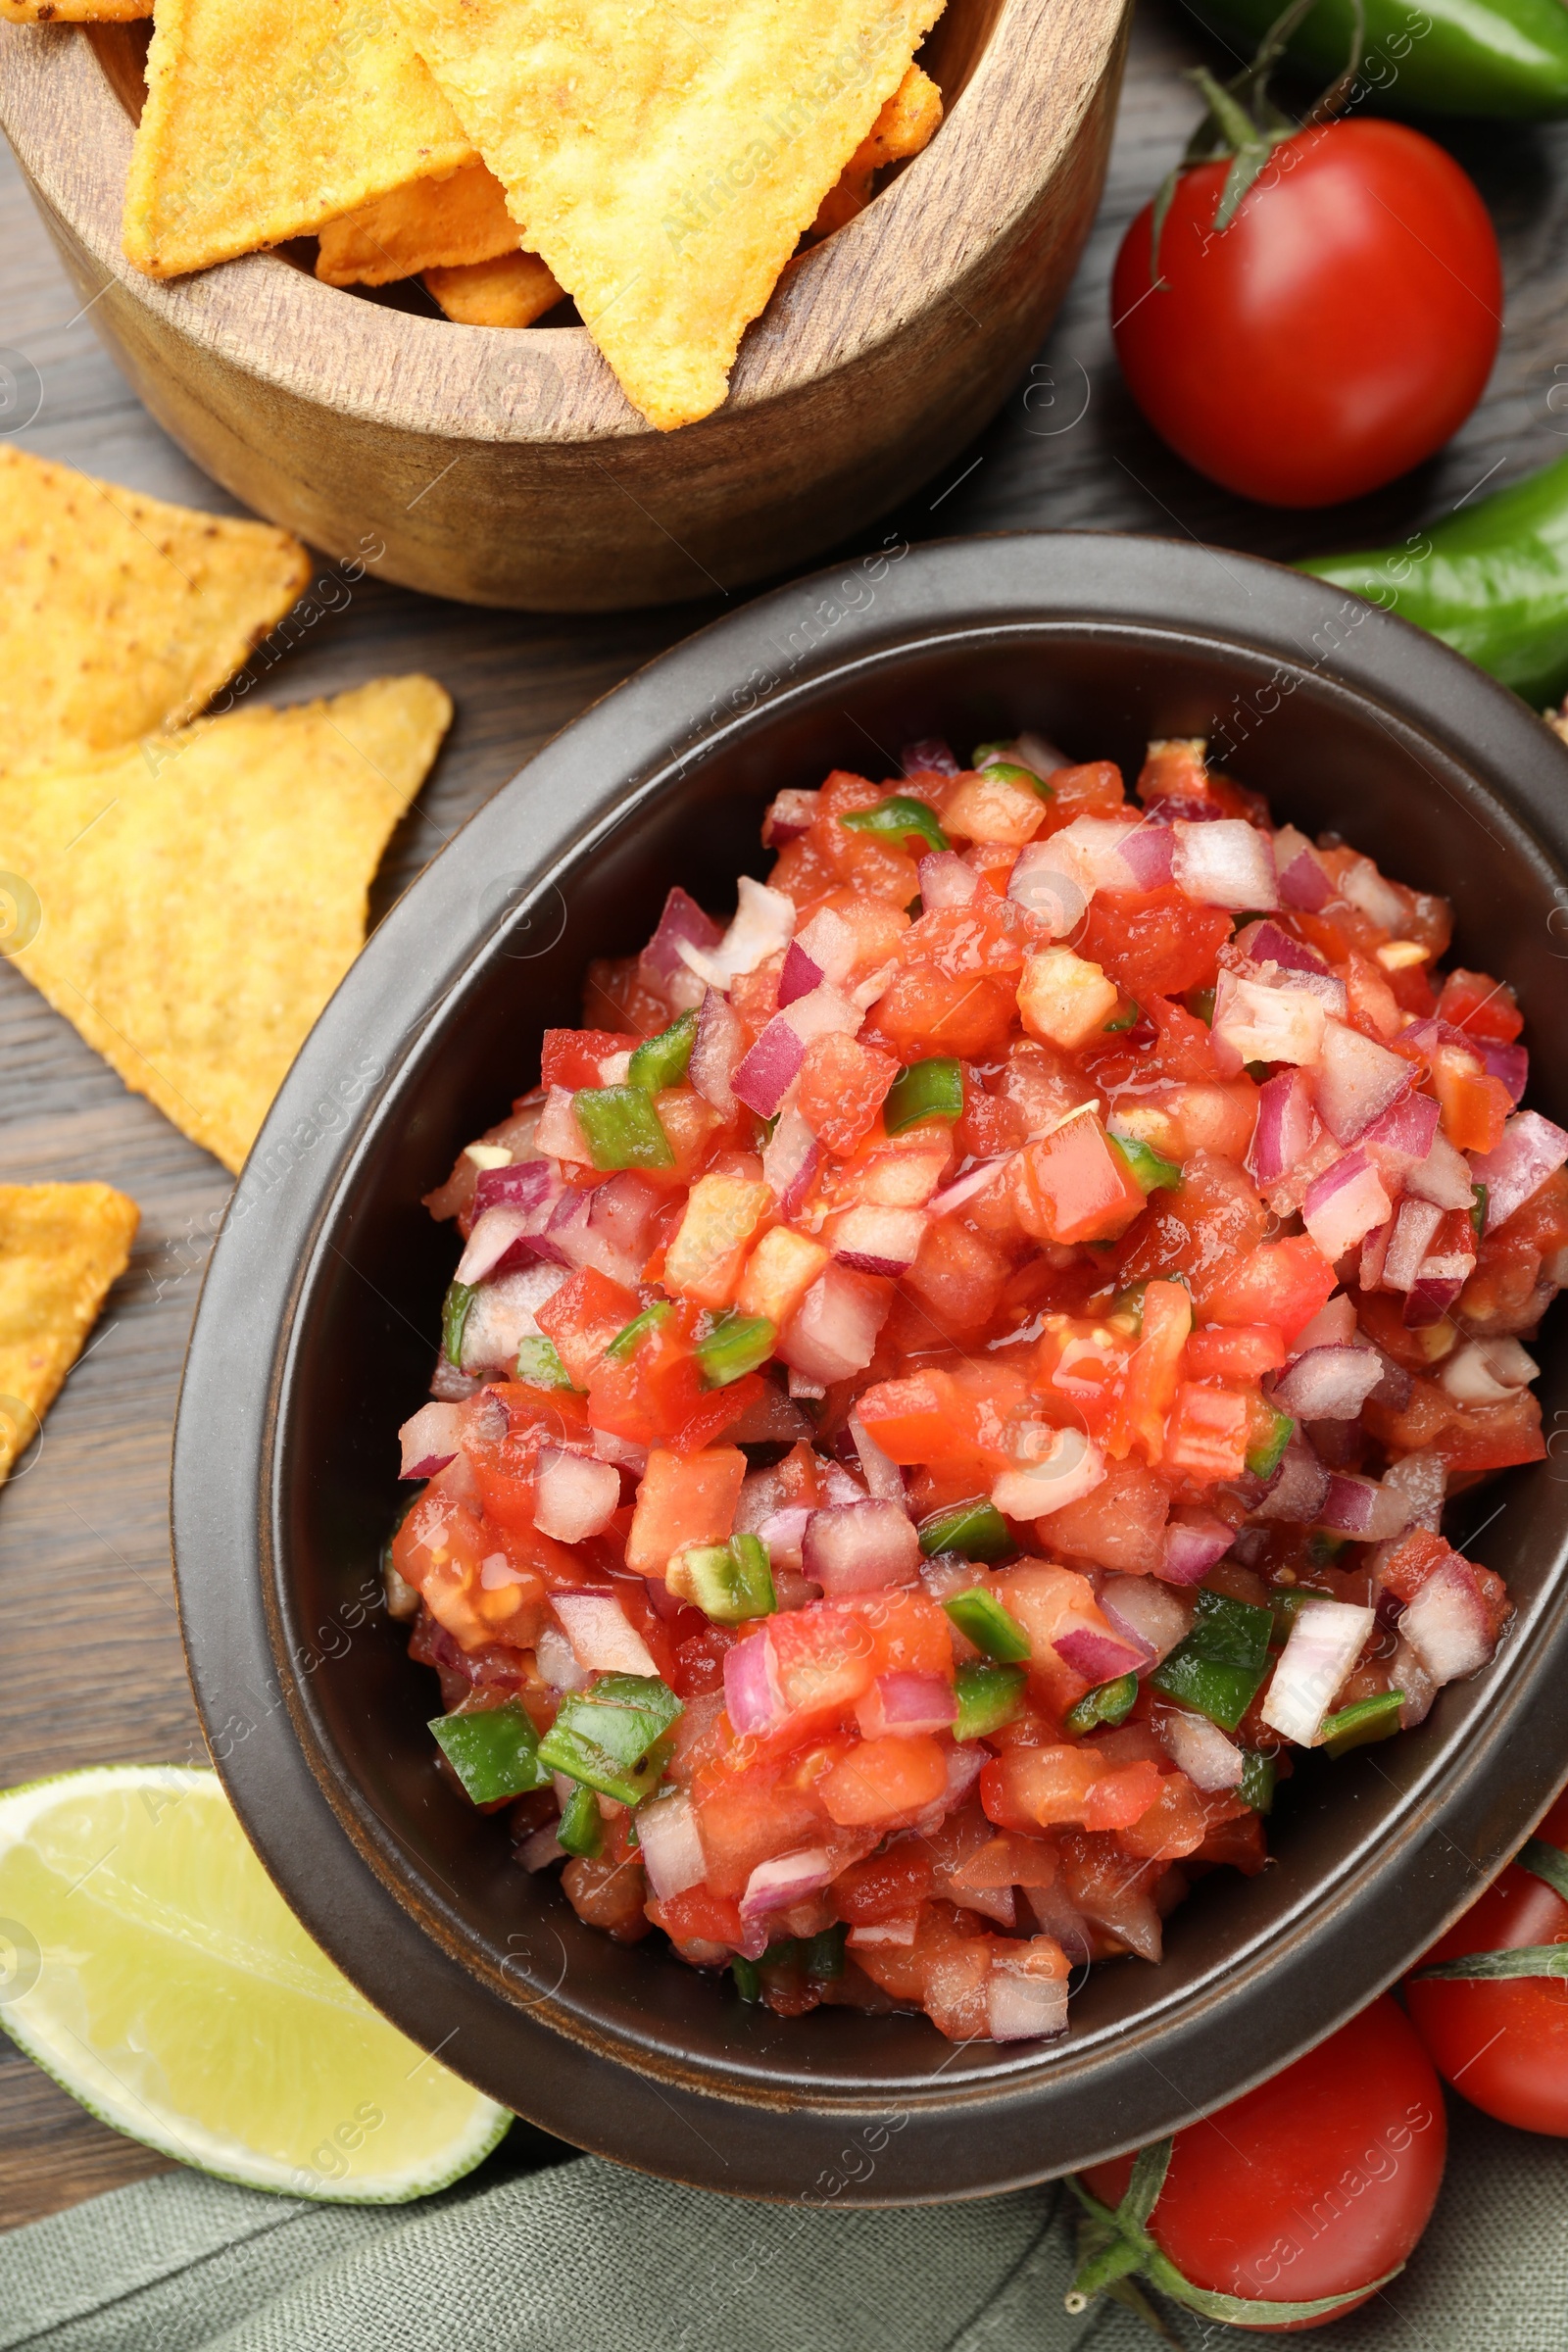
<point x="314" y="1339"/>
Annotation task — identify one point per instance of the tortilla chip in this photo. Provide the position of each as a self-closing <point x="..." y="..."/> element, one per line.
<point x="666" y="161"/>
<point x="201" y="895"/>
<point x="72" y="11"/>
<point x="121" y="615"/>
<point x="910" y="121"/>
<point x="61" y="1246"/>
<point x="265" y="118"/>
<point x="440" y="223"/>
<point x="513" y="291"/>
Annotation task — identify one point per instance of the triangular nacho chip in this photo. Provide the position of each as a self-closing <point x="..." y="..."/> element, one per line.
<point x="121" y="615"/>
<point x="61" y="1246"/>
<point x="265" y="118"/>
<point x="74" y="12"/>
<point x="666" y="161"/>
<point x="197" y="898"/>
<point x="513" y="290"/>
<point x="444" y="224"/>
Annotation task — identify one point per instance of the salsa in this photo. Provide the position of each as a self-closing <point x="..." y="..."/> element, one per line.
<point x="954" y="1376"/>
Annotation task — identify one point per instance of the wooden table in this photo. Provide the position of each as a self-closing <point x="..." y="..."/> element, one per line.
<point x="90" y="1663"/>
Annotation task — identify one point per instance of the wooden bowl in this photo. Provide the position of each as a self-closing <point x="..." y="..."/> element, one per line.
<point x="507" y="467"/>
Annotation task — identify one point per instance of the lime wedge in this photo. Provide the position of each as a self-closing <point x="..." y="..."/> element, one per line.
<point x="148" y="1963"/>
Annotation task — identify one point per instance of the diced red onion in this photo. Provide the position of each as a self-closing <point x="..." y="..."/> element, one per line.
<point x="541" y="1848"/>
<point x="1448" y="1624"/>
<point x="1483" y="1372"/>
<point x="1394" y="1389"/>
<point x="1329" y="1384"/>
<point x="559" y="1133"/>
<point x="966" y="1762"/>
<point x="1532" y="1149"/>
<point x="1058" y="1917"/>
<point x="784" y="1534"/>
<point x="579" y="1234"/>
<point x="1267" y="942"/>
<point x="1255" y="1022"/>
<point x="1225" y="863"/>
<point x="1361" y="1507"/>
<point x="574" y="1497"/>
<point x="603" y="1637"/>
<point x="1300" y="1487"/>
<point x="824" y="1012"/>
<point x="799" y="976"/>
<point x="430" y="1439"/>
<point x="831" y="944"/>
<point x="1149" y="1612"/>
<point x="790" y="1161"/>
<point x="1364" y="887"/>
<point x="1434" y="1291"/>
<point x="659" y="965"/>
<point x="885" y="1934"/>
<point x="1069" y="1467"/>
<point x="966" y="1188"/>
<point x="1345" y="1204"/>
<point x="527" y="1184"/>
<point x="1413" y="1228"/>
<point x="1100" y="1657"/>
<point x="1182" y="807"/>
<point x="1374" y="1250"/>
<point x="1304" y="878"/>
<point x="1423" y="1480"/>
<point x="623" y="1212"/>
<point x="1042" y="886"/>
<point x="754" y="1696"/>
<point x="625" y="1452"/>
<point x="1510" y="1063"/>
<point x="763" y="922"/>
<point x="838" y="1487"/>
<point x="670" y="1849"/>
<point x="834" y="1330"/>
<point x="789" y="814"/>
<point x="878" y="1240"/>
<point x="762" y="1077"/>
<point x="788" y="1879"/>
<point x="1033" y="751"/>
<point x="1021" y="2006"/>
<point x="1402" y="1136"/>
<point x="1326" y="1639"/>
<point x="930" y="757"/>
<point x="1287" y="1127"/>
<point x="884" y="1480"/>
<point x="558" y="1661"/>
<point x="1407" y="1674"/>
<point x="720" y="1043"/>
<point x="1444" y="1175"/>
<point x="1194" y="1542"/>
<point x="1200" y="1749"/>
<point x="859" y="1547"/>
<point x="1357" y="1080"/>
<point x="1147" y="853"/>
<point x="945" y="881"/>
<point x="903" y="1703"/>
<point x="1333" y="1326"/>
<point x="503" y="1314"/>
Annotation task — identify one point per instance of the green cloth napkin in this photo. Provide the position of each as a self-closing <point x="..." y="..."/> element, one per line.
<point x="535" y="2254"/>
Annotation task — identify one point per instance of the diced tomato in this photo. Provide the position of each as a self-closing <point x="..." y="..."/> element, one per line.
<point x="705" y="1253"/>
<point x="1208" y="1435"/>
<point x="1199" y="1230"/>
<point x="1079" y="1371"/>
<point x="1469" y="1436"/>
<point x="583" y="1318"/>
<point x="888" y="1885"/>
<point x="1155" y="943"/>
<point x="683" y="1498"/>
<point x="1079" y="1188"/>
<point x="1485" y="1007"/>
<point x="615" y="991"/>
<point x="575" y="1056"/>
<point x="1421" y="1553"/>
<point x="1474" y="1107"/>
<point x="922" y="1418"/>
<point x="958" y="1276"/>
<point x="1179" y="1820"/>
<point x="700" y="1917"/>
<point x="924" y="1012"/>
<point x="1281" y="1283"/>
<point x="1174" y="768"/>
<point x="909" y="1631"/>
<point x="1153" y="1374"/>
<point x="1093" y="789"/>
<point x="1119" y="1525"/>
<point x="991" y="1124"/>
<point x="1244" y="1352"/>
<point x="442" y="1549"/>
<point x="881" y="1780"/>
<point x="842" y="1088"/>
<point x="1054" y="1786"/>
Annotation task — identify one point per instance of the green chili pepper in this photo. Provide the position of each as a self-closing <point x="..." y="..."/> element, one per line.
<point x="1323" y="1549"/>
<point x="1127" y="1018"/>
<point x="493" y="1750"/>
<point x="1260" y="1772"/>
<point x="662" y="1061"/>
<point x="823" y="1955"/>
<point x="1130" y="1302"/>
<point x="976" y="1531"/>
<point x="580" y="1828"/>
<point x="1359" y="1724"/>
<point x="729" y="1581"/>
<point x="455" y="1307"/>
<point x="1491" y="580"/>
<point x="1108" y="1703"/>
<point x="1477" y="1211"/>
<point x="901" y="815"/>
<point x="988" y="1698"/>
<point x="748" y="1984"/>
<point x="989" y="1626"/>
<point x="1267" y="1450"/>
<point x="1218" y="1668"/>
<point x="630" y="1338"/>
<point x="1474" y="57"/>
<point x="1150" y="1169"/>
<point x="612" y="1736"/>
<point x="734" y="1347"/>
<point x="926" y="1090"/>
<point x="1200" y="1001"/>
<point x="622" y="1128"/>
<point x="1284" y="1608"/>
<point x="540" y="1366"/>
<point x="997" y="759"/>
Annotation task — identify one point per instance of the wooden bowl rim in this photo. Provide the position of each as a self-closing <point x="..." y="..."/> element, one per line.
<point x="1013" y="124"/>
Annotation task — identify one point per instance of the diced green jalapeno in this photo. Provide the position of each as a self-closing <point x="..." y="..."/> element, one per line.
<point x="455" y="1307"/>
<point x="901" y="815"/>
<point x="1108" y="1703"/>
<point x="988" y="1625"/>
<point x="1130" y="1302"/>
<point x="1127" y="1018"/>
<point x="823" y="1953"/>
<point x="926" y="1090"/>
<point x="1013" y="773"/>
<point x="631" y="1335"/>
<point x="1218" y="1668"/>
<point x="733" y="1348"/>
<point x="1267" y="1449"/>
<point x="1477" y="1211"/>
<point x="976" y="1531"/>
<point x="622" y="1128"/>
<point x="580" y="1828"/>
<point x="611" y="1735"/>
<point x="493" y="1750"/>
<point x="729" y="1581"/>
<point x="1258" y="1775"/>
<point x="1200" y="1001"/>
<point x="1150" y="1169"/>
<point x="1359" y="1724"/>
<point x="663" y="1060"/>
<point x="540" y="1366"/>
<point x="1284" y="1607"/>
<point x="748" y="1984"/>
<point x="1322" y="1549"/>
<point x="988" y="1698"/>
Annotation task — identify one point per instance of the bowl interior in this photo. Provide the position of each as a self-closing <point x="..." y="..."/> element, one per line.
<point x="367" y="1309"/>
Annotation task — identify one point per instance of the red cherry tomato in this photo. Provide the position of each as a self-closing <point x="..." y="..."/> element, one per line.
<point x="1504" y="2042"/>
<point x="1336" y="332"/>
<point x="1315" y="2184"/>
